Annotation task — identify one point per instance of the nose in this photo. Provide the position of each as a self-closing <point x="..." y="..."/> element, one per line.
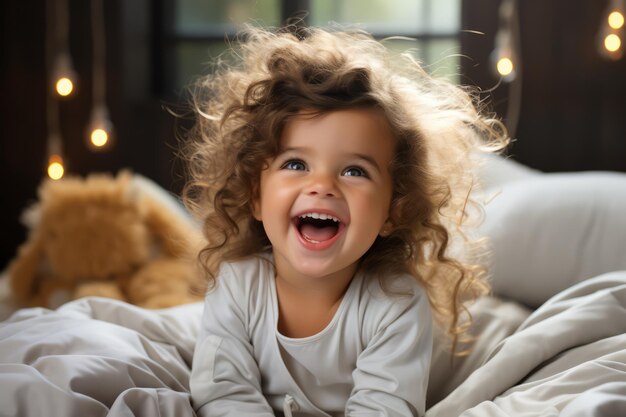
<point x="322" y="185"/>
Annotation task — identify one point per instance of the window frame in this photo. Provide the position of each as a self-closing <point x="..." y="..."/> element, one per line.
<point x="169" y="36"/>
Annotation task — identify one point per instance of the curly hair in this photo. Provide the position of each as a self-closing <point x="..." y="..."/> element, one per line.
<point x="242" y="110"/>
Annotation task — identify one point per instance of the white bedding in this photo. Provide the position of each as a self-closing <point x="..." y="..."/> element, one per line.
<point x="101" y="357"/>
<point x="567" y="359"/>
<point x="97" y="357"/>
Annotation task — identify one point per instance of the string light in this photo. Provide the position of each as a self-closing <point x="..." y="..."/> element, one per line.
<point x="64" y="86"/>
<point x="504" y="57"/>
<point x="99" y="137"/>
<point x="504" y="66"/>
<point x="611" y="31"/>
<point x="612" y="42"/>
<point x="62" y="77"/>
<point x="56" y="170"/>
<point x="506" y="60"/>
<point x="616" y="20"/>
<point x="56" y="166"/>
<point x="100" y="128"/>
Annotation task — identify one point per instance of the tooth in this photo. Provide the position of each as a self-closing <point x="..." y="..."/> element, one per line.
<point x="320" y="216"/>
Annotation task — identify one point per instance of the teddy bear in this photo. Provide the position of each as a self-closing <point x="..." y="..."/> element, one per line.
<point x="120" y="236"/>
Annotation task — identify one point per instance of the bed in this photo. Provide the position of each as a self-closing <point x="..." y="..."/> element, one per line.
<point x="551" y="340"/>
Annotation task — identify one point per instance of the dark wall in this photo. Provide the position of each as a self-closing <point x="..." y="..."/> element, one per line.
<point x="144" y="131"/>
<point x="573" y="114"/>
<point x="573" y="107"/>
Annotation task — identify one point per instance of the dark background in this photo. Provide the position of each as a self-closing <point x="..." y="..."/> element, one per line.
<point x="572" y="118"/>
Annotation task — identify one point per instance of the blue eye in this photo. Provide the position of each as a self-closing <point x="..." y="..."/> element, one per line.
<point x="355" y="172"/>
<point x="294" y="165"/>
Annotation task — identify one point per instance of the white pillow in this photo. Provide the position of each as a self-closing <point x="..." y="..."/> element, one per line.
<point x="551" y="231"/>
<point x="497" y="170"/>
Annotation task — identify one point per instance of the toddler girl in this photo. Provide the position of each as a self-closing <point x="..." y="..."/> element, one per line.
<point x="331" y="183"/>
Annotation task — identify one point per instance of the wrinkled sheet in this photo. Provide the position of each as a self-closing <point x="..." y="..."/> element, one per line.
<point x="567" y="359"/>
<point x="101" y="357"/>
<point x="98" y="357"/>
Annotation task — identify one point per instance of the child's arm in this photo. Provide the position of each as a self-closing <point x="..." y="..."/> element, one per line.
<point x="225" y="379"/>
<point x="391" y="376"/>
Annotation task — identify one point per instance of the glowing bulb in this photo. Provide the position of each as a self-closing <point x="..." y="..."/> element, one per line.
<point x="64" y="86"/>
<point x="100" y="129"/>
<point x="64" y="76"/>
<point x="56" y="171"/>
<point x="616" y="20"/>
<point x="504" y="66"/>
<point x="55" y="167"/>
<point x="99" y="137"/>
<point x="612" y="42"/>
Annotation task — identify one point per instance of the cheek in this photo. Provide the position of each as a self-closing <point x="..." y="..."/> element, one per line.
<point x="375" y="207"/>
<point x="275" y="196"/>
<point x="381" y="197"/>
<point x="262" y="194"/>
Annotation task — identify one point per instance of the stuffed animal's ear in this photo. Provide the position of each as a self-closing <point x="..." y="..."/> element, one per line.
<point x="24" y="270"/>
<point x="165" y="216"/>
<point x="177" y="234"/>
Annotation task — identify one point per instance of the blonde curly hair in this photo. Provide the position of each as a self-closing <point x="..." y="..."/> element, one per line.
<point x="242" y="110"/>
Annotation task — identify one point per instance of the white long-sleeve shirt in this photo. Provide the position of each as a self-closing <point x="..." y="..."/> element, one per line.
<point x="372" y="359"/>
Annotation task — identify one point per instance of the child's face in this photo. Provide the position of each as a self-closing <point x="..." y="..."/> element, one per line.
<point x="335" y="167"/>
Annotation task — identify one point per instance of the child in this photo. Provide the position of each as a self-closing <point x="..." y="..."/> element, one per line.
<point x="331" y="185"/>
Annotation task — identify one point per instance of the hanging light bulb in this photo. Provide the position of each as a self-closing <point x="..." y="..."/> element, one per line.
<point x="56" y="167"/>
<point x="63" y="75"/>
<point x="504" y="58"/>
<point x="60" y="72"/>
<point x="505" y="66"/>
<point x="612" y="42"/>
<point x="504" y="63"/>
<point x="616" y="20"/>
<point x="100" y="130"/>
<point x="56" y="170"/>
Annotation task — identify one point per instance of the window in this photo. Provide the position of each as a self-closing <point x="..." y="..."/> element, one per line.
<point x="195" y="30"/>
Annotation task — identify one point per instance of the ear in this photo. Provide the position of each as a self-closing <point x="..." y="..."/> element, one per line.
<point x="255" y="201"/>
<point x="386" y="229"/>
<point x="25" y="269"/>
<point x="178" y="235"/>
<point x="389" y="225"/>
<point x="256" y="209"/>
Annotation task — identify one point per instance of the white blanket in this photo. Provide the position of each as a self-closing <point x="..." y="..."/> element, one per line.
<point x="100" y="357"/>
<point x="567" y="359"/>
<point x="97" y="357"/>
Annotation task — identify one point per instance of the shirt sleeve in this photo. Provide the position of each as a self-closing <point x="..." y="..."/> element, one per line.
<point x="391" y="374"/>
<point x="225" y="379"/>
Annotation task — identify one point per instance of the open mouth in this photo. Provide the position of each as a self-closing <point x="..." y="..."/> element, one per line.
<point x="317" y="227"/>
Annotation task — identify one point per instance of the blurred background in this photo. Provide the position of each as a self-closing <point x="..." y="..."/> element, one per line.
<point x="553" y="70"/>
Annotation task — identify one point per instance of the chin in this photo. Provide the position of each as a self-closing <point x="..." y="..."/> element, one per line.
<point x="318" y="269"/>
